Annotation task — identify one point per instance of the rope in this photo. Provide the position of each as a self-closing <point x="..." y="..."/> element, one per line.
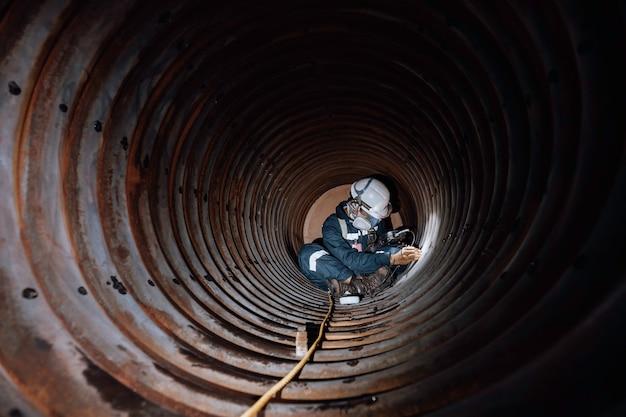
<point x="265" y="398"/>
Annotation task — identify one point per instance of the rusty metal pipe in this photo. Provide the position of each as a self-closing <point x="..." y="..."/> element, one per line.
<point x="158" y="160"/>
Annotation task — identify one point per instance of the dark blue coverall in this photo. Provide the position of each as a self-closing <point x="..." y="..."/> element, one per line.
<point x="337" y="257"/>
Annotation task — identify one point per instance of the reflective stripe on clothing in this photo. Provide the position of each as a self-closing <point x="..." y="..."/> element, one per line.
<point x="351" y="236"/>
<point x="344" y="229"/>
<point x="313" y="259"/>
<point x="326" y="265"/>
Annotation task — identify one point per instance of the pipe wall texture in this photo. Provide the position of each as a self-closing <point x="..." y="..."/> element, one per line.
<point x="158" y="158"/>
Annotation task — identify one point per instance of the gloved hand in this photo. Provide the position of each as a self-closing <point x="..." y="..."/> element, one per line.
<point x="406" y="255"/>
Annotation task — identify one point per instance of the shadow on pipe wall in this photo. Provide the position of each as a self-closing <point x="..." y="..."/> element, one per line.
<point x="158" y="160"/>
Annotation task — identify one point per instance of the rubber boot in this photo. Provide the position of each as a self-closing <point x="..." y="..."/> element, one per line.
<point x="339" y="288"/>
<point x="370" y="283"/>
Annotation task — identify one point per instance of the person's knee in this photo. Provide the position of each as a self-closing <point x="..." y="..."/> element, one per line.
<point x="309" y="253"/>
<point x="344" y="274"/>
<point x="319" y="266"/>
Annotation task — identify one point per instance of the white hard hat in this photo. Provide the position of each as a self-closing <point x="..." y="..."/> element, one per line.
<point x="373" y="195"/>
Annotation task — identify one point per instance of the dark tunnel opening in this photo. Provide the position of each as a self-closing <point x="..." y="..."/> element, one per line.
<point x="158" y="160"/>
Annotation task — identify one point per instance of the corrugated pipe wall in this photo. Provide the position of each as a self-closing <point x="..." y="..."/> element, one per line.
<point x="158" y="159"/>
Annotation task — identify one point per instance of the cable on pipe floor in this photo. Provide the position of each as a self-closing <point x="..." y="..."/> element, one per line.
<point x="265" y="398"/>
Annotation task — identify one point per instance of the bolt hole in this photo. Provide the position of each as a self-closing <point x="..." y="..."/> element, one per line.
<point x="63" y="107"/>
<point x="29" y="293"/>
<point x="118" y="285"/>
<point x="14" y="412"/>
<point x="150" y="283"/>
<point x="82" y="291"/>
<point x="124" y="143"/>
<point x="14" y="88"/>
<point x="97" y="125"/>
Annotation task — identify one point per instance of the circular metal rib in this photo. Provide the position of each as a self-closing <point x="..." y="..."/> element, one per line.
<point x="158" y="160"/>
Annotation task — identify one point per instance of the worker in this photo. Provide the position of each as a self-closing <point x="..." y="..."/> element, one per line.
<point x="343" y="260"/>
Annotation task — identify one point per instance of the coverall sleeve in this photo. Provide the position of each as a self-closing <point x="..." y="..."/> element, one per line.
<point x="358" y="262"/>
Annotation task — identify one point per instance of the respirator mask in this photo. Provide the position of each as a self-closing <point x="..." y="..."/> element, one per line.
<point x="362" y="220"/>
<point x="365" y="221"/>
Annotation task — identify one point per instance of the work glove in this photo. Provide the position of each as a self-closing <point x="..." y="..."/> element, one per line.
<point x="405" y="256"/>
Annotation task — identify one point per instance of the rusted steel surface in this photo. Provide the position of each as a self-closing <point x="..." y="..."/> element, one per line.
<point x="158" y="160"/>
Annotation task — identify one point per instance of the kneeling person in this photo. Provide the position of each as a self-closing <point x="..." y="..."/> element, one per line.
<point x="342" y="258"/>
